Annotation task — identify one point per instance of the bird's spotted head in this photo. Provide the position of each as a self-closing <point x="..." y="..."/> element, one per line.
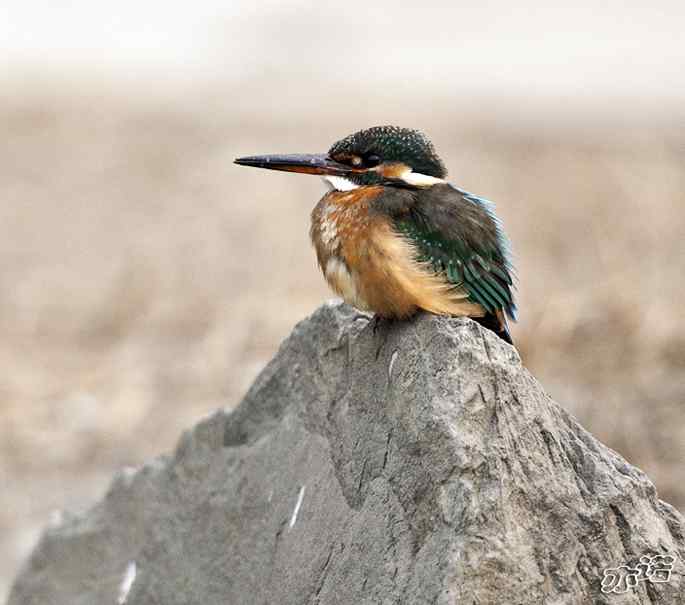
<point x="382" y="155"/>
<point x="391" y="154"/>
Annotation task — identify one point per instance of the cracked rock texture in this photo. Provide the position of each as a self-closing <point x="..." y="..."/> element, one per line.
<point x="419" y="464"/>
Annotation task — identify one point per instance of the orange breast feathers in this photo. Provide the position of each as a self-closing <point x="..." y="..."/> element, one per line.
<point x="374" y="268"/>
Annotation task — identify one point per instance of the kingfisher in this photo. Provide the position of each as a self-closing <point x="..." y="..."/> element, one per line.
<point x="393" y="237"/>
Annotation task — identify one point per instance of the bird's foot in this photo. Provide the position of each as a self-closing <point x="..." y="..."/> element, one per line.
<point x="377" y="322"/>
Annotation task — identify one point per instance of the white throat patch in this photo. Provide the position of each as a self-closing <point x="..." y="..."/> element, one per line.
<point x="339" y="183"/>
<point x="420" y="180"/>
<point x="415" y="179"/>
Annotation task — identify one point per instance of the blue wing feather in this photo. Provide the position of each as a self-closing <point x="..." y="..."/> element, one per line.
<point x="461" y="236"/>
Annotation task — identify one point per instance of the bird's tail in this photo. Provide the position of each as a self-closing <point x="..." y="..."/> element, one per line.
<point x="497" y="324"/>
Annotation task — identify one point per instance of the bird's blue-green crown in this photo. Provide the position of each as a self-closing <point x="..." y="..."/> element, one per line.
<point x="393" y="144"/>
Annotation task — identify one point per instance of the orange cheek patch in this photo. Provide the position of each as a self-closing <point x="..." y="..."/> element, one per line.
<point x="394" y="170"/>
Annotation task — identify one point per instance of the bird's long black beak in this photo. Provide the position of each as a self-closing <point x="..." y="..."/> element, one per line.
<point x="304" y="163"/>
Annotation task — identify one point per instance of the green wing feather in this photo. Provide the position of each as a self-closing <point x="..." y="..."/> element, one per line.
<point x="479" y="264"/>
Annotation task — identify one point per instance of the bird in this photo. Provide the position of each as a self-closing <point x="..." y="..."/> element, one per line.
<point x="392" y="236"/>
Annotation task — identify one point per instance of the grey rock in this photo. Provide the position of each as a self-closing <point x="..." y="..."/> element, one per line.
<point x="420" y="464"/>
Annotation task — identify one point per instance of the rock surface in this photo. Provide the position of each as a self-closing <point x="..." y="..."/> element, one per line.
<point x="419" y="464"/>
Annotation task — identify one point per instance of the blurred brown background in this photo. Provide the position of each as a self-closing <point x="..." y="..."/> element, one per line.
<point x="145" y="280"/>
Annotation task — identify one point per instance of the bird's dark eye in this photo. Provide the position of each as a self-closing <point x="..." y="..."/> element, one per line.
<point x="371" y="160"/>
